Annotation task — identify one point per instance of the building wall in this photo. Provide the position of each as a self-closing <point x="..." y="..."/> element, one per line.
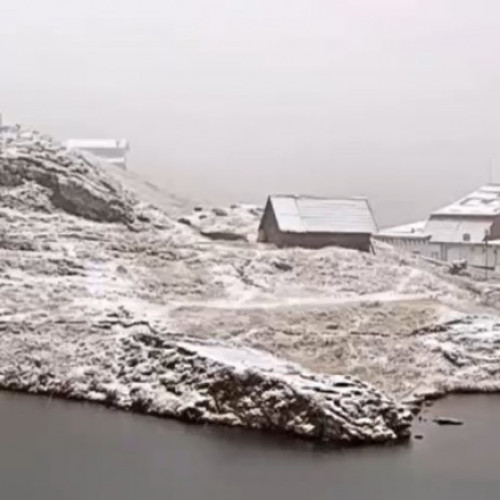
<point x="268" y="229"/>
<point x="475" y="254"/>
<point x="117" y="156"/>
<point x="455" y="252"/>
<point x="320" y="240"/>
<point x="107" y="152"/>
<point x="495" y="229"/>
<point x="418" y="246"/>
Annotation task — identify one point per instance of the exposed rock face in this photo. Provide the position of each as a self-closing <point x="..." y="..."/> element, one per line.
<point x="71" y="183"/>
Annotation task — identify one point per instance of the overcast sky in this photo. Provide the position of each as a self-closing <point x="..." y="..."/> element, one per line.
<point x="227" y="100"/>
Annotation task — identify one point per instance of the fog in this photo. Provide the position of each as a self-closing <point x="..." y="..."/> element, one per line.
<point x="227" y="100"/>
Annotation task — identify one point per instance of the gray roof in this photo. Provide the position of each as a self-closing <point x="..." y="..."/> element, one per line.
<point x="306" y="214"/>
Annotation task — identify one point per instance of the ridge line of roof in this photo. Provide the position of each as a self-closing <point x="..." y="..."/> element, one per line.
<point x="315" y="197"/>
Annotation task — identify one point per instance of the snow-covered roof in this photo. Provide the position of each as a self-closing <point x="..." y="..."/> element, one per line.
<point x="457" y="229"/>
<point x="97" y="144"/>
<point x="306" y="214"/>
<point x="483" y="202"/>
<point x="415" y="229"/>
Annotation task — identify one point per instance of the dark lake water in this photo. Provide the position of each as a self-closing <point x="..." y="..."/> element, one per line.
<point x="52" y="450"/>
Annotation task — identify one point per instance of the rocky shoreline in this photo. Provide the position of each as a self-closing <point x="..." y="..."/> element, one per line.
<point x="211" y="382"/>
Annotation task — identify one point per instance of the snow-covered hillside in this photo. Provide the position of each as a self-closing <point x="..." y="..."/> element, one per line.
<point x="106" y="297"/>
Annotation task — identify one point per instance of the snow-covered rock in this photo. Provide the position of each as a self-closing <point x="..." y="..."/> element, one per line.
<point x="239" y="222"/>
<point x="71" y="183"/>
<point x="177" y="376"/>
<point x="468" y="349"/>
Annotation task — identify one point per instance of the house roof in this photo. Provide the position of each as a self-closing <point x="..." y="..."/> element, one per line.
<point x="412" y="230"/>
<point x="455" y="229"/>
<point x="306" y="214"/>
<point x="483" y="202"/>
<point x="97" y="144"/>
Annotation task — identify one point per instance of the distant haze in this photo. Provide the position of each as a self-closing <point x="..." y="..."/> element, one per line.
<point x="227" y="100"/>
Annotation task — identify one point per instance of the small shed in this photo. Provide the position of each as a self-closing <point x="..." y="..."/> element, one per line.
<point x="313" y="222"/>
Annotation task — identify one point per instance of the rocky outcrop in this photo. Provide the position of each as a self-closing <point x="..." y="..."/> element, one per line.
<point x="71" y="182"/>
<point x="235" y="223"/>
<point x="177" y="376"/>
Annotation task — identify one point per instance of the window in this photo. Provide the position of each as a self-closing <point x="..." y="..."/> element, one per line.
<point x="466" y="237"/>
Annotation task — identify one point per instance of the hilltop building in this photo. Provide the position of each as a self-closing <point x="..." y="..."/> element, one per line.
<point x="312" y="222"/>
<point x="113" y="151"/>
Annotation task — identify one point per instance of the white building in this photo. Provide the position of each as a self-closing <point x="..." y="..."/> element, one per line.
<point x="468" y="229"/>
<point x="472" y="219"/>
<point x="111" y="150"/>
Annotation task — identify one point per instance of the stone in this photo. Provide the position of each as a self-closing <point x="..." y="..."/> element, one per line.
<point x="447" y="421"/>
<point x="220" y="212"/>
<point x="184" y="220"/>
<point x="223" y="236"/>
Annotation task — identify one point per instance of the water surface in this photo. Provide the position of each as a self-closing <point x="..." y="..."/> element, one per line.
<point x="54" y="450"/>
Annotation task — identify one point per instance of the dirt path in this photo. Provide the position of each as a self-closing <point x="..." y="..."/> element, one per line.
<point x="249" y="304"/>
